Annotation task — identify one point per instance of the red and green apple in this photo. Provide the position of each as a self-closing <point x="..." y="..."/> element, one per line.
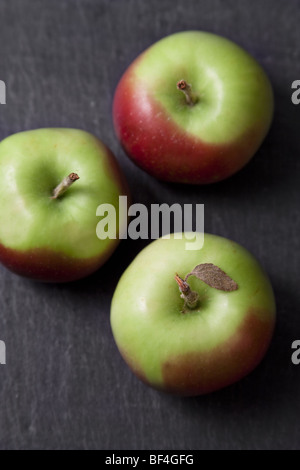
<point x="191" y="322"/>
<point x="52" y="181"/>
<point x="193" y="108"/>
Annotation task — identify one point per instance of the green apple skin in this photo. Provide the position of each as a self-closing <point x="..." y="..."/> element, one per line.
<point x="55" y="239"/>
<point x="199" y="144"/>
<point x="204" y="349"/>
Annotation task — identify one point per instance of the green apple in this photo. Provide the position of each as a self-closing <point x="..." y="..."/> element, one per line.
<point x="193" y="108"/>
<point x="47" y="224"/>
<point x="207" y="334"/>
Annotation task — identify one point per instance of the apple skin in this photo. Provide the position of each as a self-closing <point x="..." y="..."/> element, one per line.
<point x="204" y="349"/>
<point x="198" y="144"/>
<point x="48" y="239"/>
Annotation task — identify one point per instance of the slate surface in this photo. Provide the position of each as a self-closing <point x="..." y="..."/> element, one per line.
<point x="65" y="385"/>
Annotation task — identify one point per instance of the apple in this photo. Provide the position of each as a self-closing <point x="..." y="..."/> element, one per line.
<point x="52" y="181"/>
<point x="190" y="322"/>
<point x="193" y="108"/>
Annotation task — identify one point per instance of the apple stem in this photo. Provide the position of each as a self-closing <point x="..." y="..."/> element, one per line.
<point x="190" y="97"/>
<point x="190" y="297"/>
<point x="64" y="185"/>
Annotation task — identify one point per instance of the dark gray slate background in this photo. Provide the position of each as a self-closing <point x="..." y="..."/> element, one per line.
<point x="65" y="385"/>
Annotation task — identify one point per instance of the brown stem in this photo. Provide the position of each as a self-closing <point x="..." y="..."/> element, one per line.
<point x="190" y="297"/>
<point x="64" y="185"/>
<point x="190" y="97"/>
